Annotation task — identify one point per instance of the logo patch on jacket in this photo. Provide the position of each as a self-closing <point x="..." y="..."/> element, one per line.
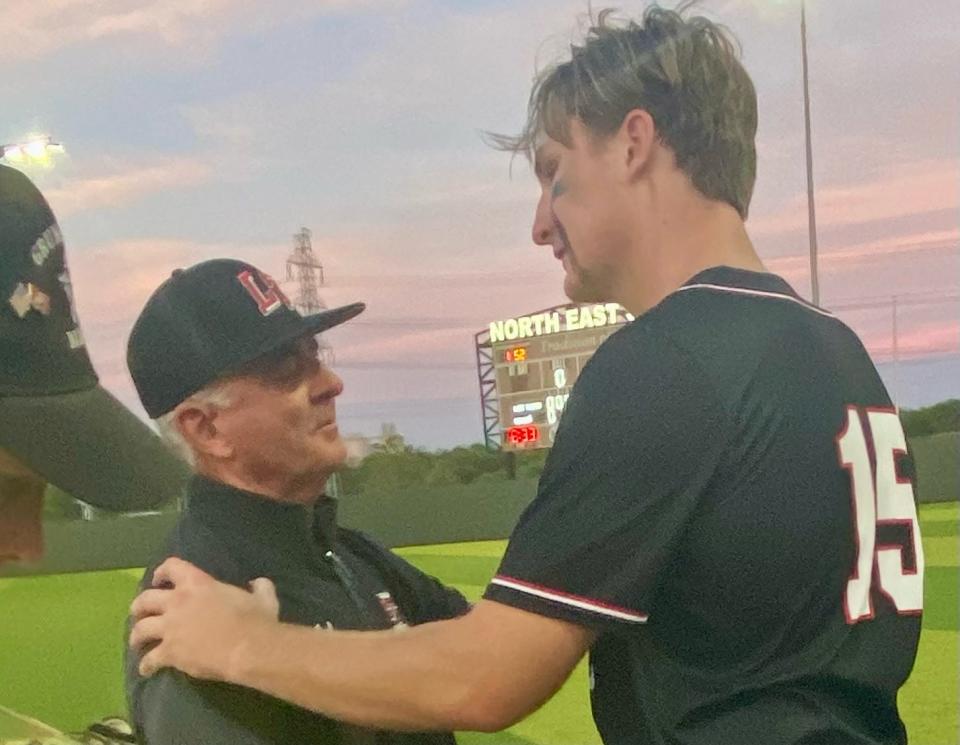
<point x="392" y="610"/>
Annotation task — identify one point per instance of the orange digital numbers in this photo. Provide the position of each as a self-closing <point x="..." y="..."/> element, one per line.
<point x="517" y="354"/>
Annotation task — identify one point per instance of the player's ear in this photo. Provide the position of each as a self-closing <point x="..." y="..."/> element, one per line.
<point x="638" y="137"/>
<point x="199" y="426"/>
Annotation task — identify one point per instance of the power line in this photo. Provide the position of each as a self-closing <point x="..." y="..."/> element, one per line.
<point x="478" y="322"/>
<point x="896" y="298"/>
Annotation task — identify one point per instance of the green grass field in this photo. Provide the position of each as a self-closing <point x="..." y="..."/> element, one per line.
<point x="61" y="648"/>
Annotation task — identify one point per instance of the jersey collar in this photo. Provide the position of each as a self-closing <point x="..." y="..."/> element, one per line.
<point x="742" y="279"/>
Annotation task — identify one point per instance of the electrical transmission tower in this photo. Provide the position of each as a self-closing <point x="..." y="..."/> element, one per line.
<point x="303" y="267"/>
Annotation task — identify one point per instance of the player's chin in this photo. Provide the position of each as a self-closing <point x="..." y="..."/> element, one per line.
<point x="582" y="292"/>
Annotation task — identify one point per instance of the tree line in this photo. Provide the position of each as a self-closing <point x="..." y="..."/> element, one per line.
<point x="394" y="465"/>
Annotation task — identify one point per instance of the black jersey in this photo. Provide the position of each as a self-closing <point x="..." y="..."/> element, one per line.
<point x="728" y="502"/>
<point x="326" y="577"/>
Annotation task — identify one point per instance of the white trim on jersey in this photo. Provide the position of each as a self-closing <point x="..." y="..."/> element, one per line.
<point x="759" y="293"/>
<point x="594" y="606"/>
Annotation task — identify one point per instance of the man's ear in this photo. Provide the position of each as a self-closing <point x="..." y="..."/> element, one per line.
<point x="198" y="425"/>
<point x="638" y="135"/>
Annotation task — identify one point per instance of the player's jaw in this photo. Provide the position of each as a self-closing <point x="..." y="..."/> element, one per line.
<point x="581" y="284"/>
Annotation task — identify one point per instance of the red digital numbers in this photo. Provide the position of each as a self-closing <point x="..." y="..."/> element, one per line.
<point x="517" y="354"/>
<point x="522" y="435"/>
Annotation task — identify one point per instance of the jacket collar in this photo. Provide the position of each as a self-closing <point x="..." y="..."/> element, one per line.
<point x="262" y="520"/>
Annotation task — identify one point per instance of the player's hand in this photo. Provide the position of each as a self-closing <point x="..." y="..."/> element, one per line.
<point x="198" y="625"/>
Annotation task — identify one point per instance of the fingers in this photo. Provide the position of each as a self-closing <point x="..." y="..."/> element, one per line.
<point x="151" y="662"/>
<point x="146" y="631"/>
<point x="177" y="572"/>
<point x="266" y="595"/>
<point x="150" y="603"/>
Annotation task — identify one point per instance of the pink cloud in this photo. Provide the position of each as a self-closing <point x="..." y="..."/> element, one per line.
<point x="915" y="188"/>
<point x="852" y="256"/>
<point x="126" y="185"/>
<point x="34" y="29"/>
<point x="919" y="264"/>
<point x="440" y="344"/>
<point x="134" y="267"/>
<point x="919" y="341"/>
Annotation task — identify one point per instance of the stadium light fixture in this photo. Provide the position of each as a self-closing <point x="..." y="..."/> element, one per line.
<point x="35" y="149"/>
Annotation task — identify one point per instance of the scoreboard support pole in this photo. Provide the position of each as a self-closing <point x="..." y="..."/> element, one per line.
<point x="510" y="463"/>
<point x="489" y="403"/>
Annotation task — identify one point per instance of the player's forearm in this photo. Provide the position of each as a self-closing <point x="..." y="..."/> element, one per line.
<point x="424" y="678"/>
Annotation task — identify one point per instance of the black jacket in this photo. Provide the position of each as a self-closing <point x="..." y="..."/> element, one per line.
<point x="326" y="576"/>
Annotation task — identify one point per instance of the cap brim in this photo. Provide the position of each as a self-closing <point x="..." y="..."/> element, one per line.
<point x="327" y="319"/>
<point x="94" y="448"/>
<point x="312" y="324"/>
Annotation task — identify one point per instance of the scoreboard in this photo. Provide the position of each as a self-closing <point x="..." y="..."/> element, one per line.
<point x="528" y="366"/>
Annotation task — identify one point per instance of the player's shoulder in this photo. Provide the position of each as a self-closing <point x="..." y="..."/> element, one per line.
<point x="642" y="360"/>
<point x="727" y="314"/>
<point x="714" y="296"/>
<point x="717" y="325"/>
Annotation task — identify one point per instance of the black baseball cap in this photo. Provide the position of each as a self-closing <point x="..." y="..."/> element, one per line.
<point x="54" y="415"/>
<point x="207" y="322"/>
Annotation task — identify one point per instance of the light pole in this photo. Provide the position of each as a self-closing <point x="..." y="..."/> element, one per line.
<point x="811" y="209"/>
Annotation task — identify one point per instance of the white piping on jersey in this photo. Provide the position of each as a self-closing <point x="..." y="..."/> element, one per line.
<point x="759" y="293"/>
<point x="594" y="606"/>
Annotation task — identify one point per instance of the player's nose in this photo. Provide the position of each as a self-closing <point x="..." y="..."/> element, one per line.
<point x="542" y="232"/>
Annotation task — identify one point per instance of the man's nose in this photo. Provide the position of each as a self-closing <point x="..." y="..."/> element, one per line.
<point x="542" y="222"/>
<point x="327" y="384"/>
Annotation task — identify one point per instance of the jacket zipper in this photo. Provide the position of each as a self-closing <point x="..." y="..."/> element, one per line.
<point x="348" y="580"/>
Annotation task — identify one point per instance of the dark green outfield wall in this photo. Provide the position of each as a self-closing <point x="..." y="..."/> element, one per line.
<point x="937" y="458"/>
<point x="443" y="514"/>
<point x="478" y="511"/>
<point x="486" y="509"/>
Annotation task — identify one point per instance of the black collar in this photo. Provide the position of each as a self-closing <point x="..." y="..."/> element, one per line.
<point x="743" y="279"/>
<point x="244" y="515"/>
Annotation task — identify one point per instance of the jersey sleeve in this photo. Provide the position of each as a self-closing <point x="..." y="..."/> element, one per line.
<point x="641" y="437"/>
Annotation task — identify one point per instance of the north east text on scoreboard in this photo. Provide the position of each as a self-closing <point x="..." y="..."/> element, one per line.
<point x="536" y="360"/>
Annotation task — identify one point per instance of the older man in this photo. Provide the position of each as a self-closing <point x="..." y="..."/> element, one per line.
<point x="231" y="373"/>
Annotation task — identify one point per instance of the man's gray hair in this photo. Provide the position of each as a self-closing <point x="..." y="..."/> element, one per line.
<point x="214" y="394"/>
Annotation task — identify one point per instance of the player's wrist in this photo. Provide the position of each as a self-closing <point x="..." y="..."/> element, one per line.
<point x="247" y="653"/>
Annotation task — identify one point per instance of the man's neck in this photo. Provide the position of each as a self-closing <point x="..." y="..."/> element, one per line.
<point x="686" y="242"/>
<point x="288" y="491"/>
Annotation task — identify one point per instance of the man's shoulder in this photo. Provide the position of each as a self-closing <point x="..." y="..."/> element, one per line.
<point x="192" y="541"/>
<point x="367" y="547"/>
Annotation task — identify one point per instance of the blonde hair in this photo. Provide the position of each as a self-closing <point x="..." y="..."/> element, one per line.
<point x="685" y="72"/>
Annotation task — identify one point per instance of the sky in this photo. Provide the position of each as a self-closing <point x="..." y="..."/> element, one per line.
<point x="197" y="129"/>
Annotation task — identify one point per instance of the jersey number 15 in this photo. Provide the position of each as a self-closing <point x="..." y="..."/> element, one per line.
<point x="889" y="552"/>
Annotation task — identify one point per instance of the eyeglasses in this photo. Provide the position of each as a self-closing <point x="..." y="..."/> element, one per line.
<point x="286" y="366"/>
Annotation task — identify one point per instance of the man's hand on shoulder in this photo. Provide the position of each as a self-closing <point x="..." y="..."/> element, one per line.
<point x="194" y="623"/>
